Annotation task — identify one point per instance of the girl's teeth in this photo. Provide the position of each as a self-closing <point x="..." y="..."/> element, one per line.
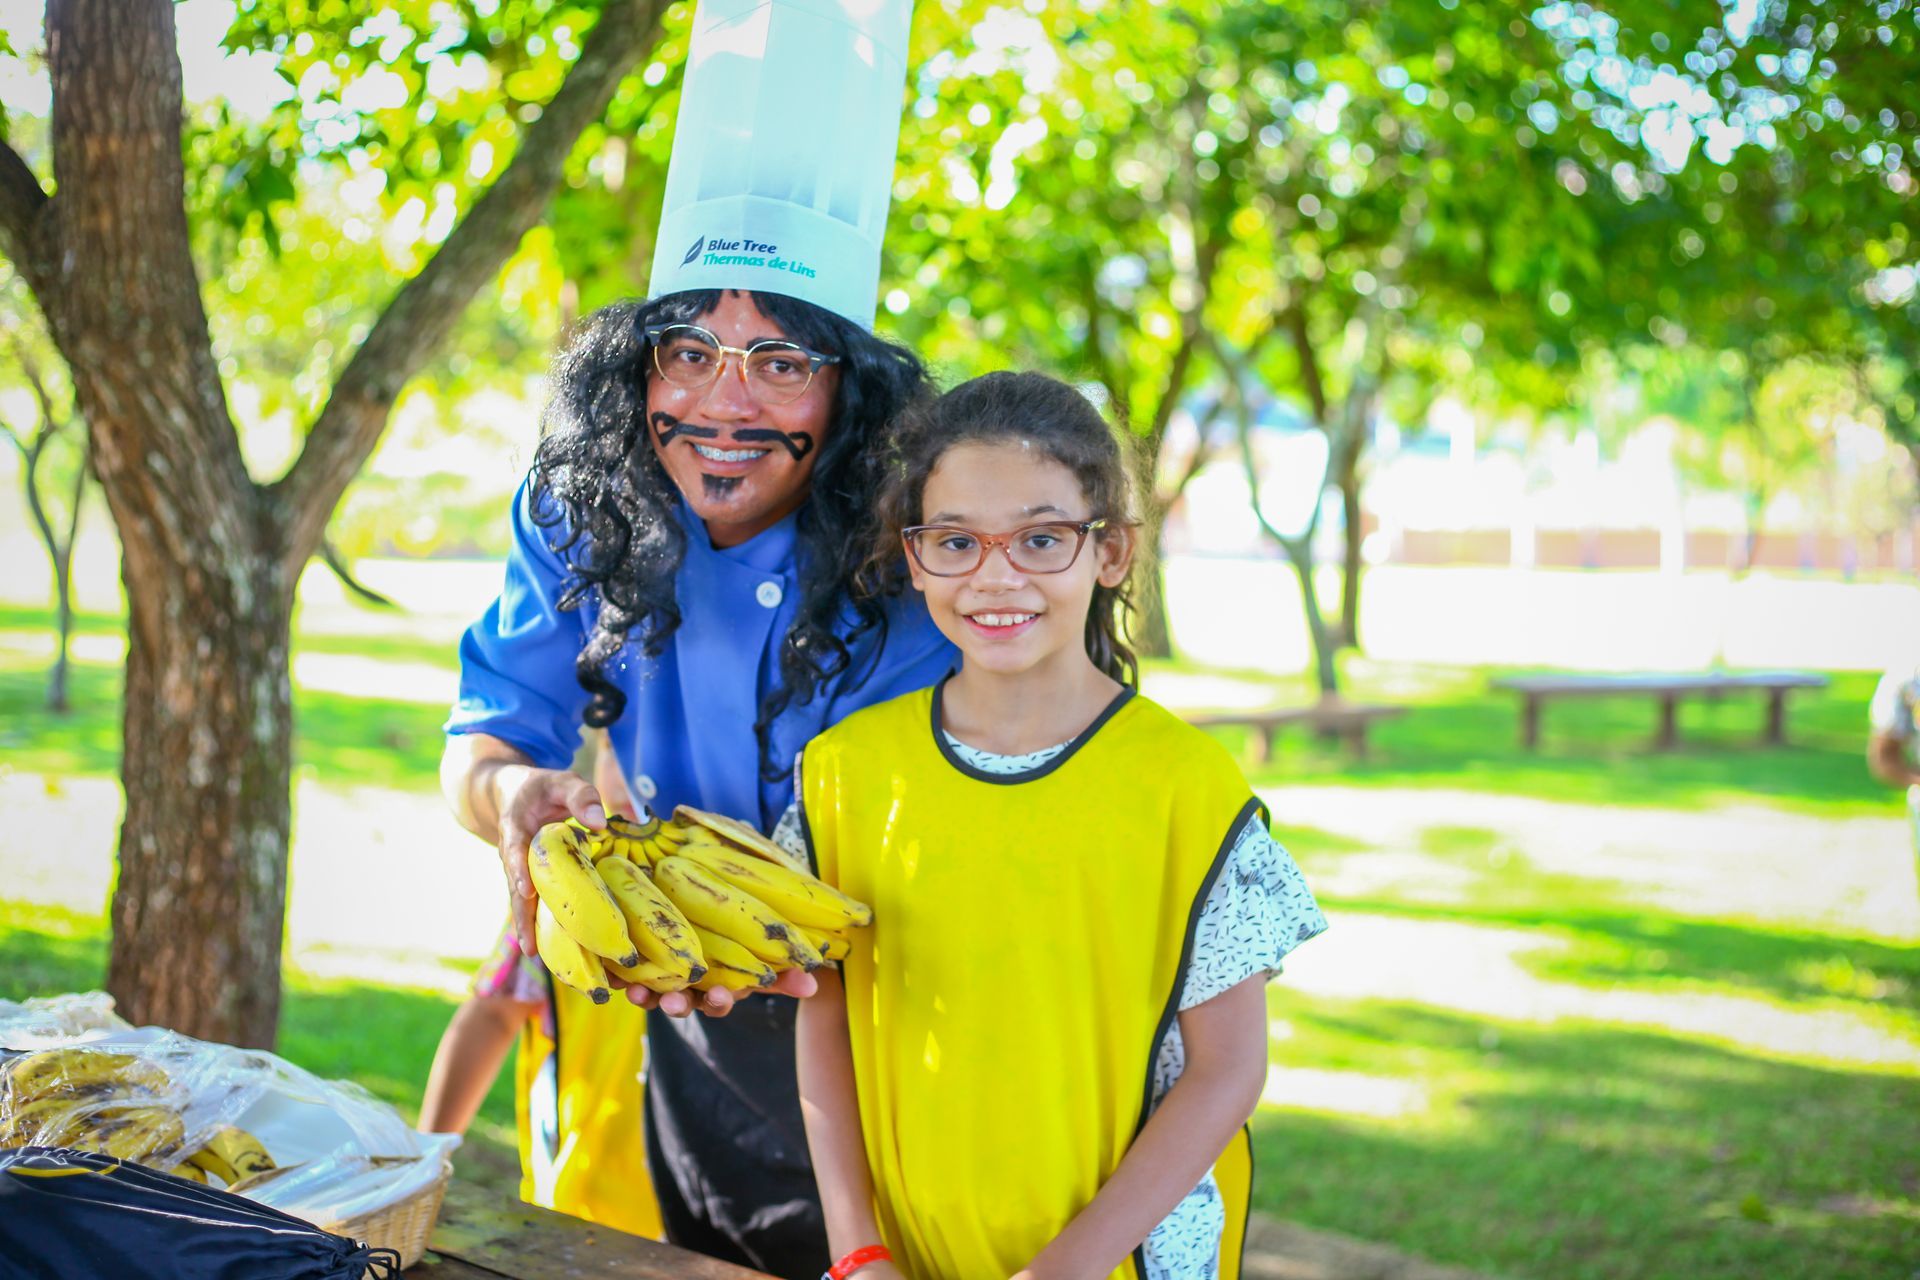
<point x="728" y="455"/>
<point x="1002" y="619"/>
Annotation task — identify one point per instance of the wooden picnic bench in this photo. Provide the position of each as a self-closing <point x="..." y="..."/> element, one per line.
<point x="1536" y="691"/>
<point x="486" y="1235"/>
<point x="1334" y="717"/>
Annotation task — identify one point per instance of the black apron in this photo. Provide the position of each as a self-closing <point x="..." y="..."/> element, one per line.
<point x="725" y="1142"/>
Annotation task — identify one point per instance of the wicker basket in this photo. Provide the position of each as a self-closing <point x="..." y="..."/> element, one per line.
<point x="404" y="1225"/>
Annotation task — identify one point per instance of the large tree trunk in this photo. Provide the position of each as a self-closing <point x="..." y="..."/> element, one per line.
<point x="211" y="558"/>
<point x="199" y="907"/>
<point x="1151" y="635"/>
<point x="205" y="727"/>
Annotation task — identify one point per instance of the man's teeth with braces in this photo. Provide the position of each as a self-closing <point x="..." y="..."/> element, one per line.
<point x="1003" y="619"/>
<point x="728" y="455"/>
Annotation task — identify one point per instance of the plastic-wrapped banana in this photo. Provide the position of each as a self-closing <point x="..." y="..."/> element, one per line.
<point x="139" y="1134"/>
<point x="53" y="1120"/>
<point x="78" y="1069"/>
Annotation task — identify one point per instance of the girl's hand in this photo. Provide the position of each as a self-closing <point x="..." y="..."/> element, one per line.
<point x="529" y="799"/>
<point x="719" y="1002"/>
<point x="879" y="1271"/>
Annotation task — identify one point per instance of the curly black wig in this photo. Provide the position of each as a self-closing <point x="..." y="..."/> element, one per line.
<point x="596" y="480"/>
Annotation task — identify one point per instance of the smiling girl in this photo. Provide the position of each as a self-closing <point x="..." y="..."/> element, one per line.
<point x="1031" y="826"/>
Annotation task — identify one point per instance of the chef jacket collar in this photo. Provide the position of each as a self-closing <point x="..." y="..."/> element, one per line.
<point x="770" y="551"/>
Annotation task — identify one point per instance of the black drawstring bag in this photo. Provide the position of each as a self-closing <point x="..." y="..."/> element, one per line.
<point x="73" y="1215"/>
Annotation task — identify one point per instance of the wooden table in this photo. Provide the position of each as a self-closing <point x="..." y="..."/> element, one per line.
<point x="1331" y="716"/>
<point x="484" y="1236"/>
<point x="1535" y="691"/>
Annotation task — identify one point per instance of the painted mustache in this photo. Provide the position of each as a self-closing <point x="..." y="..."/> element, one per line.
<point x="798" y="444"/>
<point x="670" y="428"/>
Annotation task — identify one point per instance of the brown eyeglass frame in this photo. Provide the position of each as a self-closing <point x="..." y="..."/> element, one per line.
<point x="1004" y="541"/>
<point x="655" y="332"/>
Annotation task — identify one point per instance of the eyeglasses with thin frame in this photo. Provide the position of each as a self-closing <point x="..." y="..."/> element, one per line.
<point x="951" y="551"/>
<point x="775" y="371"/>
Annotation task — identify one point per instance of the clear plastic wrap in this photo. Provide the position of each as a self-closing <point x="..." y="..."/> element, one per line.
<point x="74" y="1075"/>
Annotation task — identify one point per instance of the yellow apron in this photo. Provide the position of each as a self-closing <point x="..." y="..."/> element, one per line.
<point x="581" y="1107"/>
<point x="1030" y="938"/>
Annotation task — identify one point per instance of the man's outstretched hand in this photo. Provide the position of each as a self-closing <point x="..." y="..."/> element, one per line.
<point x="719" y="1002"/>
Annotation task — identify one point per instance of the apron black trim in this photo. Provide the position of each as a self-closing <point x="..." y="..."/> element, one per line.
<point x="1246" y="1210"/>
<point x="1167" y="1015"/>
<point x="553" y="1003"/>
<point x="1030" y="775"/>
<point x="806" y="823"/>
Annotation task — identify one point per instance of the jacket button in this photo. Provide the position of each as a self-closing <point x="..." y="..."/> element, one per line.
<point x="769" y="594"/>
<point x="645" y="786"/>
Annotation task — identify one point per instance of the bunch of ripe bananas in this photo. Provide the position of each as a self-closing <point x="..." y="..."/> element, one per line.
<point x="119" y="1105"/>
<point x="702" y="901"/>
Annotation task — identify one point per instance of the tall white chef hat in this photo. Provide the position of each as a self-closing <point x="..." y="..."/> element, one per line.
<point x="783" y="154"/>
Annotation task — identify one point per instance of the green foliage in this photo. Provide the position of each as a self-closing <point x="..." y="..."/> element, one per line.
<point x="1088" y="185"/>
<point x="432" y="96"/>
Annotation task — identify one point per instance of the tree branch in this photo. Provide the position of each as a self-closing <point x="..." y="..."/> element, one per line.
<point x="1236" y="366"/>
<point x="32" y="451"/>
<point x="1316" y="387"/>
<point x="331" y="557"/>
<point x="1103" y="365"/>
<point x="22" y="201"/>
<point x="1233" y="369"/>
<point x="426" y="308"/>
<point x="1201" y="427"/>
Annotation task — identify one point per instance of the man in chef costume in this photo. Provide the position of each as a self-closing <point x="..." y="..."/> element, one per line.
<point x="681" y="574"/>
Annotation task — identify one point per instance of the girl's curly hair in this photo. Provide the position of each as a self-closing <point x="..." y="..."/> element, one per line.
<point x="596" y="480"/>
<point x="1062" y="425"/>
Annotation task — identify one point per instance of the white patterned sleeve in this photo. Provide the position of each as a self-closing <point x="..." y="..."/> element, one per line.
<point x="1257" y="911"/>
<point x="790" y="833"/>
<point x="1892" y="709"/>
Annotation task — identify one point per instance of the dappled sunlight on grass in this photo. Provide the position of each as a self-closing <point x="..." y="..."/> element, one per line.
<point x="1594" y="1152"/>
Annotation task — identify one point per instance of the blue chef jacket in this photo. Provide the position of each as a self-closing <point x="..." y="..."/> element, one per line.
<point x="725" y="1143"/>
<point x="686" y="736"/>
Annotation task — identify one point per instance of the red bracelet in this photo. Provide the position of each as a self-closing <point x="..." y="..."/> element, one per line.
<point x="856" y="1260"/>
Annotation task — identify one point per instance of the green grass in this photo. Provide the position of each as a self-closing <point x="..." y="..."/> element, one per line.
<point x="1542" y="1150"/>
<point x="1586" y="1151"/>
<point x="1461" y="734"/>
<point x="1598" y="1151"/>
